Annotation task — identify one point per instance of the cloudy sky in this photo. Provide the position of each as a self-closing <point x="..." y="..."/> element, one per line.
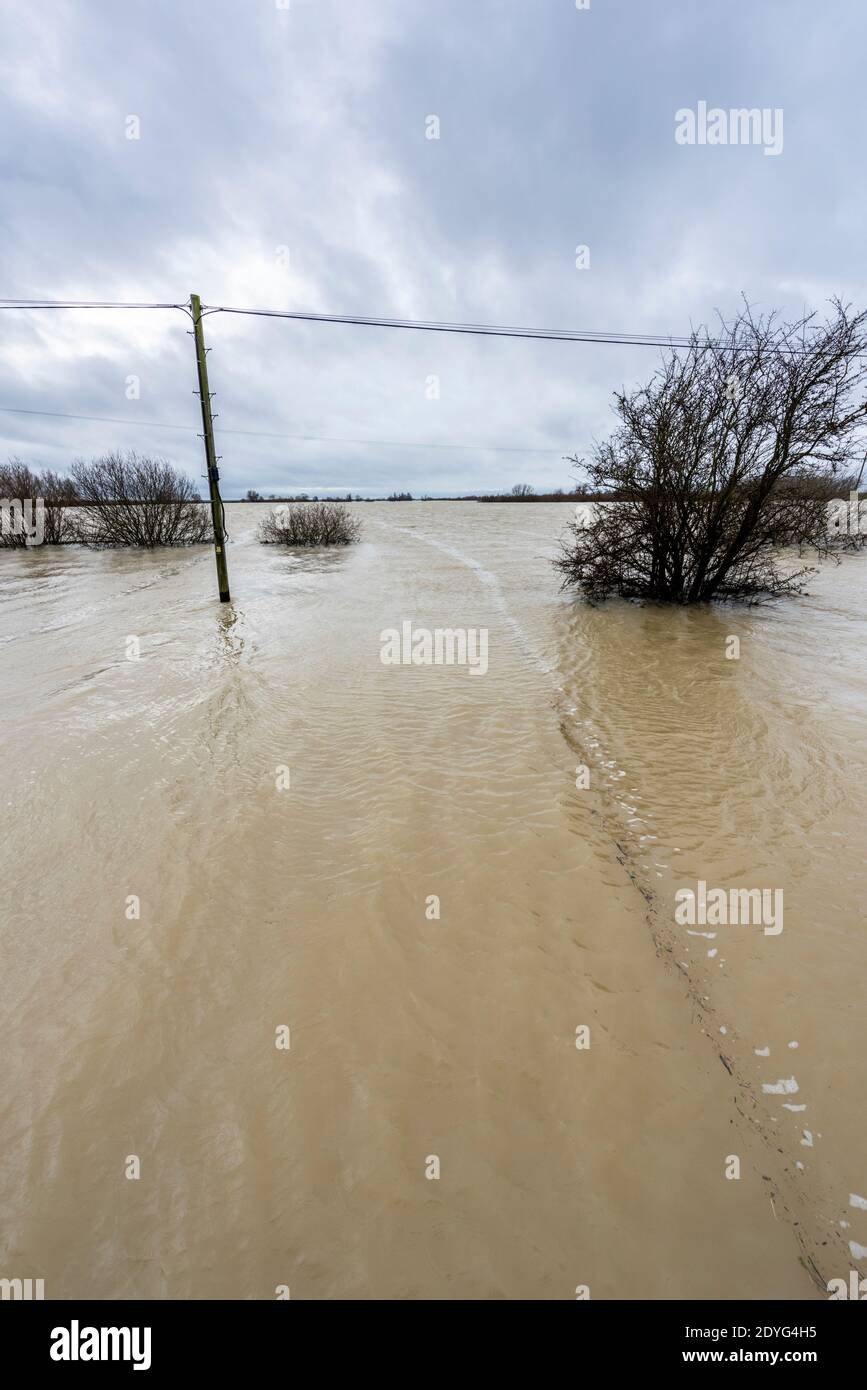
<point x="283" y="161"/>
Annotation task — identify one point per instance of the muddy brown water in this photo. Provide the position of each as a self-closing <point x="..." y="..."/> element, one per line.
<point x="412" y="1037"/>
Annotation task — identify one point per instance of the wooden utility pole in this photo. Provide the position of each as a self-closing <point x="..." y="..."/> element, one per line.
<point x="210" y="452"/>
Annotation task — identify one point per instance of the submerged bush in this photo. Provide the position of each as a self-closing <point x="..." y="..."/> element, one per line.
<point x="126" y="499"/>
<point x="21" y="484"/>
<point x="310" y="523"/>
<point x="731" y="452"/>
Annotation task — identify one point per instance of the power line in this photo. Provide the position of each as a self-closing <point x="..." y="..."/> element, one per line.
<point x="417" y="325"/>
<point x="479" y="329"/>
<point x="98" y="419"/>
<point x="267" y="434"/>
<point x="82" y="304"/>
<point x="485" y="330"/>
<point x="428" y="326"/>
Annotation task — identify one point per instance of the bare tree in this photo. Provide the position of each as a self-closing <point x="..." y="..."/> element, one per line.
<point x="126" y="499"/>
<point x="732" y="451"/>
<point x="313" y="523"/>
<point x="523" y="490"/>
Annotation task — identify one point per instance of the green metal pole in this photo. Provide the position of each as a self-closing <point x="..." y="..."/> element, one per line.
<point x="210" y="451"/>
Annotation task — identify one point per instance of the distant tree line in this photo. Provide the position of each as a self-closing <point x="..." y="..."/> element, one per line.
<point x="524" y="492"/>
<point x="253" y="496"/>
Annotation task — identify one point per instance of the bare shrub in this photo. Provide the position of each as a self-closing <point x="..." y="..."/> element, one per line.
<point x="732" y="451"/>
<point x="59" y="495"/>
<point x="310" y="523"/>
<point x="20" y="482"/>
<point x="126" y="499"/>
<point x="17" y="482"/>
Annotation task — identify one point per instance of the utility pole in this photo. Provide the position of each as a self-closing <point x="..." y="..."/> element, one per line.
<point x="210" y="452"/>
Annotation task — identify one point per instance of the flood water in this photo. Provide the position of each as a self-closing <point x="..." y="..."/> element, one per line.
<point x="244" y="830"/>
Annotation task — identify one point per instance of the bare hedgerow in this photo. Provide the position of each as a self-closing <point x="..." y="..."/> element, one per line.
<point x="731" y="452"/>
<point x="130" y="500"/>
<point x="310" y="523"/>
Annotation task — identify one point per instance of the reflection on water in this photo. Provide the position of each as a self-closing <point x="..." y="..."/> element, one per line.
<point x="303" y="899"/>
<point x="323" y="560"/>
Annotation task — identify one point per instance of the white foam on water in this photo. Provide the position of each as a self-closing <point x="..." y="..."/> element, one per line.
<point x="708" y="935"/>
<point x="762" y="1051"/>
<point x="788" y="1106"/>
<point x="712" y="953"/>
<point x="807" y="1140"/>
<point x="793" y="1044"/>
<point x="786" y="1087"/>
<point x="856" y="1201"/>
<point x="490" y="581"/>
<point x="858" y="1252"/>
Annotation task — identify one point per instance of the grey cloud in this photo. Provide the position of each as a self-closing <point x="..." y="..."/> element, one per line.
<point x="263" y="128"/>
